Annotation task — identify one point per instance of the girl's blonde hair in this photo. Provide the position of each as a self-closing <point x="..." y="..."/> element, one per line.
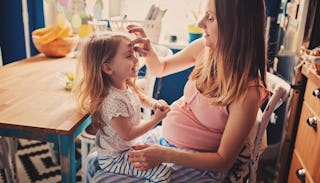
<point x="240" y="54"/>
<point x="92" y="84"/>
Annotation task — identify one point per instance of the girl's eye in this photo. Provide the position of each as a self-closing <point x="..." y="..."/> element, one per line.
<point x="129" y="56"/>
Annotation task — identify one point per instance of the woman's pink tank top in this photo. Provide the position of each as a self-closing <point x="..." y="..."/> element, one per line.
<point x="194" y="123"/>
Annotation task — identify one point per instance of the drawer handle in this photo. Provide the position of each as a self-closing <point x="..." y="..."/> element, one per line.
<point x="312" y="121"/>
<point x="301" y="174"/>
<point x="316" y="93"/>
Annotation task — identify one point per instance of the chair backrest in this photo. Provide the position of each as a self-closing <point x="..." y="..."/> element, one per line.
<point x="280" y="90"/>
<point x="147" y="84"/>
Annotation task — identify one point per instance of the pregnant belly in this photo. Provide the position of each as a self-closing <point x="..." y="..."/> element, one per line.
<point x="183" y="130"/>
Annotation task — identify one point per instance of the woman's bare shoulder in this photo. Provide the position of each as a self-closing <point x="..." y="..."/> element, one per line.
<point x="193" y="49"/>
<point x="249" y="100"/>
<point x="197" y="45"/>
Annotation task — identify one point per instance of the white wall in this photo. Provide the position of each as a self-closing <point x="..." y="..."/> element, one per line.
<point x="178" y="15"/>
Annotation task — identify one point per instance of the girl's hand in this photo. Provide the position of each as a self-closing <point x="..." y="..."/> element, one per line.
<point x="160" y="114"/>
<point x="160" y="104"/>
<point x="146" y="156"/>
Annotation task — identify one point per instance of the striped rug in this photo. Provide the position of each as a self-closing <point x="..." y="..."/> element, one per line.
<point x="35" y="163"/>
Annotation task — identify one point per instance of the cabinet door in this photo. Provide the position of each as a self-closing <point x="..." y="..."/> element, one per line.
<point x="307" y="144"/>
<point x="311" y="96"/>
<point x="298" y="174"/>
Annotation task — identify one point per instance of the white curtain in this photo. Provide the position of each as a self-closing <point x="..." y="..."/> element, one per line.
<point x="25" y="17"/>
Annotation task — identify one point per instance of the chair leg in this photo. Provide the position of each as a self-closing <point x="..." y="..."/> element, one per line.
<point x="87" y="145"/>
<point x="7" y="157"/>
<point x="84" y="150"/>
<point x="54" y="153"/>
<point x="13" y="146"/>
<point x="8" y="174"/>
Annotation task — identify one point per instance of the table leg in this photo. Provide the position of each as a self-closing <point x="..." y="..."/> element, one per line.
<point x="67" y="158"/>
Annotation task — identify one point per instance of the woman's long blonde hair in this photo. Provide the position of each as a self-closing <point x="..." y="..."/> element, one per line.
<point x="92" y="84"/>
<point x="240" y="54"/>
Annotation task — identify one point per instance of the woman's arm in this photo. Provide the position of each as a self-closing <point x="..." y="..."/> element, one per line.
<point x="180" y="61"/>
<point x="184" y="59"/>
<point x="242" y="116"/>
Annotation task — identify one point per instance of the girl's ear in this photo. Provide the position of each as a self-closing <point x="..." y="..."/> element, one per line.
<point x="106" y="68"/>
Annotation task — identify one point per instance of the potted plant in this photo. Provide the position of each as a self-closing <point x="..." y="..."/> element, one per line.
<point x="194" y="31"/>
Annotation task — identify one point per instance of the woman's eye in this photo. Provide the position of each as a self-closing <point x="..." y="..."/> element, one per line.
<point x="210" y="18"/>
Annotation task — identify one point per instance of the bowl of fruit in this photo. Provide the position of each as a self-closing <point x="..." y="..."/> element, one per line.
<point x="56" y="40"/>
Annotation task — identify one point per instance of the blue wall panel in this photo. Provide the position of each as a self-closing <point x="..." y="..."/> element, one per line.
<point x="12" y="32"/>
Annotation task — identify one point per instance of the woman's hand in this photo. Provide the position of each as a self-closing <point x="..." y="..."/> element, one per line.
<point x="137" y="31"/>
<point x="147" y="156"/>
<point x="141" y="44"/>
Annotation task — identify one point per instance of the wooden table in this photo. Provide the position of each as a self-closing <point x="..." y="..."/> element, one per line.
<point x="35" y="105"/>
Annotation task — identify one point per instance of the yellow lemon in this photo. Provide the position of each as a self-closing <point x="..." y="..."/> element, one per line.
<point x="85" y="30"/>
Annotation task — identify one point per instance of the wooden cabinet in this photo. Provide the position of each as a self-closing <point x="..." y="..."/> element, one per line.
<point x="305" y="163"/>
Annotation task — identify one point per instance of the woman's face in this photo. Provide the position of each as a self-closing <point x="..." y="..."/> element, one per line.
<point x="209" y="24"/>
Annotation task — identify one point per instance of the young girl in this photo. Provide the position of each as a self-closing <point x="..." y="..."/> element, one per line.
<point x="105" y="88"/>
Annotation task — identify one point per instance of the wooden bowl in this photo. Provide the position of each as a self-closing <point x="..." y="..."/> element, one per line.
<point x="57" y="47"/>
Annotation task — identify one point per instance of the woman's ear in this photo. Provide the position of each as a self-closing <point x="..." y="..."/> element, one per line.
<point x="106" y="68"/>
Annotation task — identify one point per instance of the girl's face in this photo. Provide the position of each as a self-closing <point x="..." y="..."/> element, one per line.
<point x="124" y="65"/>
<point x="209" y="24"/>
